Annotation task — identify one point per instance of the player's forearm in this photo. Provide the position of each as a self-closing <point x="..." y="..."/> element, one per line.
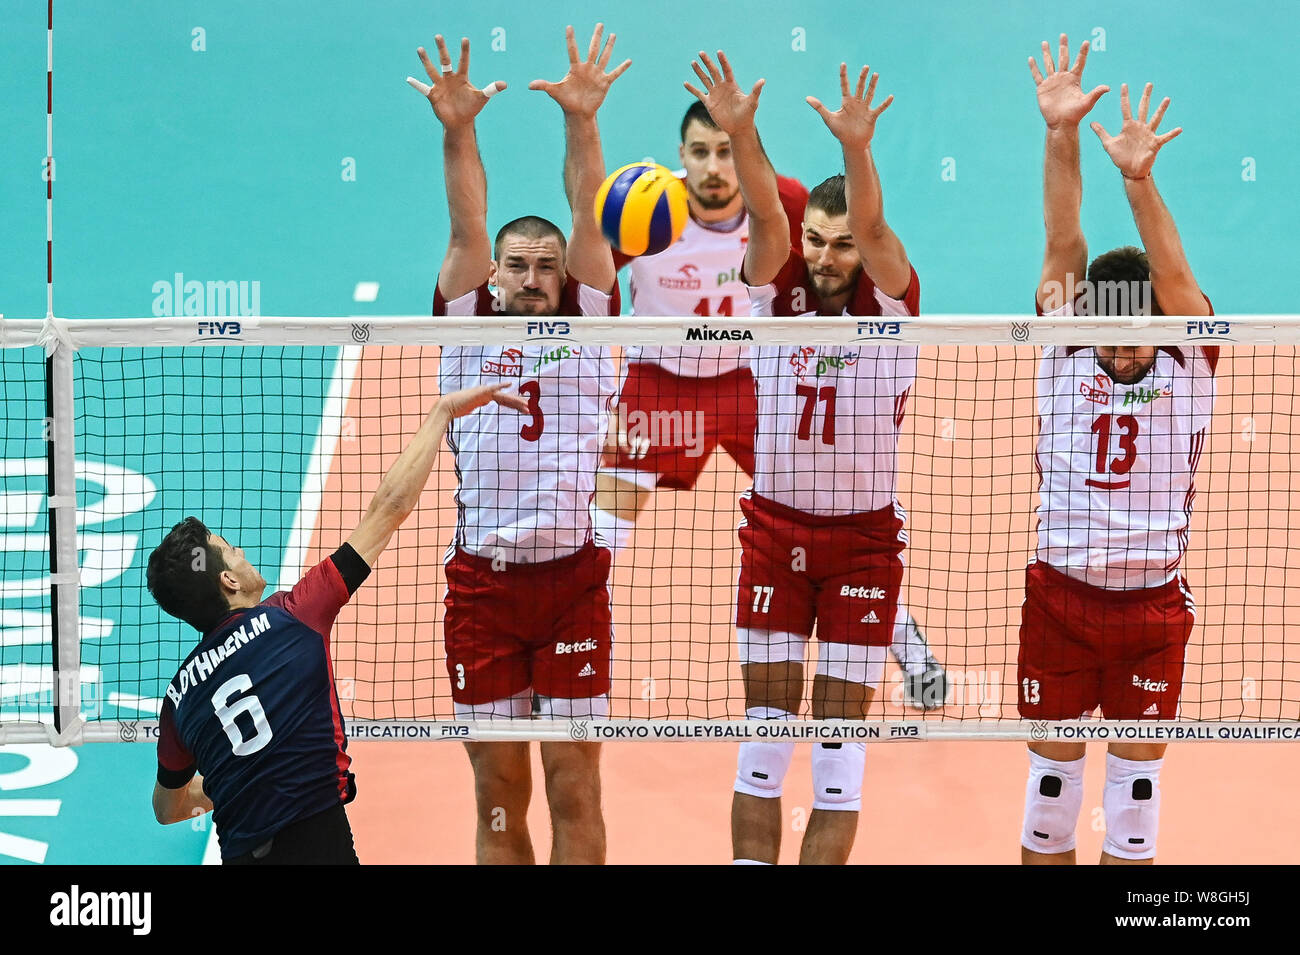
<point x="176" y="805"/>
<point x="1171" y="274"/>
<point x="866" y="204"/>
<point x="584" y="162"/>
<point x="466" y="183"/>
<point x="590" y="260"/>
<point x="757" y="179"/>
<point x="1062" y="190"/>
<point x="400" y="489"/>
<point x="769" y="231"/>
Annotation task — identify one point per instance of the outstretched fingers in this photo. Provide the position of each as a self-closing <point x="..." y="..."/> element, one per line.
<point x="1159" y="114"/>
<point x="1144" y="103"/>
<point x="1081" y="59"/>
<point x="428" y="68"/>
<point x="727" y="73"/>
<point x="1161" y="140"/>
<point x="714" y="75"/>
<point x="443" y="56"/>
<point x="593" y="48"/>
<point x="871" y="88"/>
<point x="1125" y="109"/>
<point x="571" y="44"/>
<point x="1049" y="65"/>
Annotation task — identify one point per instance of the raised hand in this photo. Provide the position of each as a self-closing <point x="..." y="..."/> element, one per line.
<point x="454" y="99"/>
<point x="462" y="402"/>
<point x="1060" y="93"/>
<point x="854" y="123"/>
<point x="729" y="106"/>
<point x="1134" y="150"/>
<point x="584" y="87"/>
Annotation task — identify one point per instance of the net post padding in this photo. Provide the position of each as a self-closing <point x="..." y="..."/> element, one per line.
<point x="64" y="573"/>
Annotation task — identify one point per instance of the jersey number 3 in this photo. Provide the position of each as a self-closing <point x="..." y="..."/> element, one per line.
<point x="228" y="712"/>
<point x="532" y="390"/>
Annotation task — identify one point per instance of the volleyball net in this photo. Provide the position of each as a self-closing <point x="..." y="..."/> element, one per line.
<point x="276" y="432"/>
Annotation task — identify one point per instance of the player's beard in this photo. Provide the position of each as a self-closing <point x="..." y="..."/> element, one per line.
<point x="1130" y="379"/>
<point x="530" y="305"/>
<point x="716" y="200"/>
<point x="829" y="286"/>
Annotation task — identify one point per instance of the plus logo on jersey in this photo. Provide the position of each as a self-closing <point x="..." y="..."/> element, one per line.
<point x="1137" y="397"/>
<point x="1097" y="390"/>
<point x="511" y="364"/>
<point x="807" y="357"/>
<point x="684" y="280"/>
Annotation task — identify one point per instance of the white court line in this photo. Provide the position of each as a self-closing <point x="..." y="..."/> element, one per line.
<point x="313" y="489"/>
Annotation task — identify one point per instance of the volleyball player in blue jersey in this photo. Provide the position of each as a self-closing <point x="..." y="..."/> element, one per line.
<point x="250" y="727"/>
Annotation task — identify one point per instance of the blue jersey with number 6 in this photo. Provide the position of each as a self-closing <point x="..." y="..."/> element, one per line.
<point x="254" y="710"/>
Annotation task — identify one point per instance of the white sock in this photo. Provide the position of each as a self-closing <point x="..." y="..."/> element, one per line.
<point x="614" y="530"/>
<point x="749" y="862"/>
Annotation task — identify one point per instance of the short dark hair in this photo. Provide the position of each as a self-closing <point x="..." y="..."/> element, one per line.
<point x="1124" y="270"/>
<point x="829" y="197"/>
<point x="696" y="113"/>
<point x="183" y="576"/>
<point x="530" y="227"/>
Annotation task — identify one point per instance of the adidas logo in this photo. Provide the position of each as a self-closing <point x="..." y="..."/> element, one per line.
<point x="1152" y="710"/>
<point x="587" y="670"/>
<point x="871" y="618"/>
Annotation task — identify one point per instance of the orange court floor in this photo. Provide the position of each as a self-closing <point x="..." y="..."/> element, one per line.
<point x="966" y="477"/>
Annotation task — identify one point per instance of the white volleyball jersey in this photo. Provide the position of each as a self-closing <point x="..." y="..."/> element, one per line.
<point x="1117" y="463"/>
<point x="829" y="416"/>
<point x="699" y="274"/>
<point x="527" y="478"/>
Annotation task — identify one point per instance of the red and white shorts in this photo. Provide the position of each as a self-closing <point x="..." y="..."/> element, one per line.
<point x="528" y="627"/>
<point x="685" y="419"/>
<point x="1082" y="647"/>
<point x="844" y="573"/>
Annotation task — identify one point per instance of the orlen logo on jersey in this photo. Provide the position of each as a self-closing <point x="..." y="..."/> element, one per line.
<point x="511" y="363"/>
<point x="582" y="646"/>
<point x="1215" y="328"/>
<point x="548" y="328"/>
<point x="870" y="593"/>
<point x="702" y="333"/>
<point x="879" y="329"/>
<point x="1151" y="686"/>
<point x="686" y="281"/>
<point x="1097" y="391"/>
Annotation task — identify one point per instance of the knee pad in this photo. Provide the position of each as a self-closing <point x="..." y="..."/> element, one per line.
<point x="851" y="663"/>
<point x="837" y="770"/>
<point x="761" y="767"/>
<point x="611" y="529"/>
<point x="1053" y="798"/>
<point x="1131" y="804"/>
<point x="581" y="708"/>
<point x="759" y="645"/>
